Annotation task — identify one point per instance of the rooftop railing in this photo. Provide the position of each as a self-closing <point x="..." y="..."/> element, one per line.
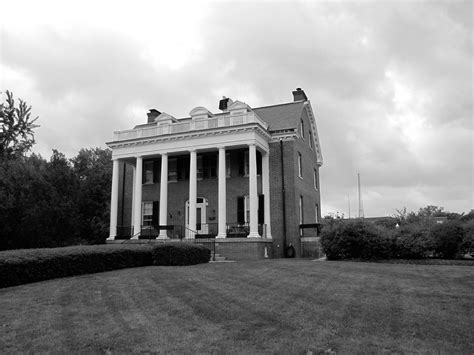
<point x="187" y="126"/>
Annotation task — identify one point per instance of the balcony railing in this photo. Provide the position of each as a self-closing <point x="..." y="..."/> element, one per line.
<point x="195" y="125"/>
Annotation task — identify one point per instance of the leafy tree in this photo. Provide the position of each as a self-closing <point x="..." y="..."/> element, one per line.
<point x="447" y="238"/>
<point x="16" y="128"/>
<point x="93" y="169"/>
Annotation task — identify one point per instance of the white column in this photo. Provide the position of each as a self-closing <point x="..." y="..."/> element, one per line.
<point x="164" y="196"/>
<point x="222" y="195"/>
<point x="137" y="214"/>
<point x="266" y="192"/>
<point x="133" y="196"/>
<point x="114" y="200"/>
<point x="253" y="197"/>
<point x="192" y="193"/>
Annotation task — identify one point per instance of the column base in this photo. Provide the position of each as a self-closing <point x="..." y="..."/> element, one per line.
<point x="111" y="238"/>
<point x="134" y="238"/>
<point x="162" y="236"/>
<point x="254" y="235"/>
<point x="221" y="235"/>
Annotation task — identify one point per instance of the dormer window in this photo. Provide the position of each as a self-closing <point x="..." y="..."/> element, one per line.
<point x="164" y="119"/>
<point x="200" y="113"/>
<point x="239" y="108"/>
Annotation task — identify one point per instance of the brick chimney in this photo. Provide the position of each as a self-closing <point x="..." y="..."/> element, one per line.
<point x="225" y="103"/>
<point x="152" y="114"/>
<point x="299" y="95"/>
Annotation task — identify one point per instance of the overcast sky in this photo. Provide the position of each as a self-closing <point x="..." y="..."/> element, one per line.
<point x="390" y="82"/>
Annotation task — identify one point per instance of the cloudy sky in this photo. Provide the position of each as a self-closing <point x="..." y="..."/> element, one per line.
<point x="390" y="82"/>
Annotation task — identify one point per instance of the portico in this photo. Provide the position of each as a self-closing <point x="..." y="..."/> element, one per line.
<point x="248" y="133"/>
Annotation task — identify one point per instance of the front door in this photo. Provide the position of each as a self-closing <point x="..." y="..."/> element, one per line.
<point x="201" y="215"/>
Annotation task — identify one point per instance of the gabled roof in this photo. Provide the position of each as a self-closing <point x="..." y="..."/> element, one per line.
<point x="283" y="116"/>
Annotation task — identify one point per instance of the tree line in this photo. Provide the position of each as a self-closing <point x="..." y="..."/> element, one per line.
<point x="49" y="203"/>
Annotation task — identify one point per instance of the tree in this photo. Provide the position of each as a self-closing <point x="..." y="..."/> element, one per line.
<point x="16" y="128"/>
<point x="93" y="169"/>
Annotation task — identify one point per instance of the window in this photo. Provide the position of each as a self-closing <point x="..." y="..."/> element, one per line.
<point x="172" y="170"/>
<point x="300" y="166"/>
<point x="148" y="172"/>
<point x="315" y="179"/>
<point x="199" y="167"/>
<point x="310" y="139"/>
<point x="302" y="129"/>
<point x="246" y="164"/>
<point x="209" y="166"/>
<point x="301" y="210"/>
<point x="227" y="165"/>
<point x="147" y="213"/>
<point x="316" y="213"/>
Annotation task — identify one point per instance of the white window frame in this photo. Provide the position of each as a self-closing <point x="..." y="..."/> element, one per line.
<point x="172" y="170"/>
<point x="316" y="213"/>
<point x="300" y="165"/>
<point x="315" y="180"/>
<point x="147" y="213"/>
<point x="227" y="165"/>
<point x="247" y="209"/>
<point x="302" y="129"/>
<point x="148" y="172"/>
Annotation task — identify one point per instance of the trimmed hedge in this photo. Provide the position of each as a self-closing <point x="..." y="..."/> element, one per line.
<point x="355" y="239"/>
<point x="180" y="254"/>
<point x="31" y="265"/>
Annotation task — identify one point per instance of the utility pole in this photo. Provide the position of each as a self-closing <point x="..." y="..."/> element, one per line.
<point x="349" y="205"/>
<point x="361" y="208"/>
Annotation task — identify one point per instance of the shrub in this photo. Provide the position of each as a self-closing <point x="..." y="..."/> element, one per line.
<point x="412" y="241"/>
<point x="355" y="239"/>
<point x="31" y="265"/>
<point x="172" y="254"/>
<point x="447" y="238"/>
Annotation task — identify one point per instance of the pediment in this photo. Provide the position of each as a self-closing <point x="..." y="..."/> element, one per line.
<point x="200" y="112"/>
<point x="239" y="108"/>
<point x="165" y="118"/>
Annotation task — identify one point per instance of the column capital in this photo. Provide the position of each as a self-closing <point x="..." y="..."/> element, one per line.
<point x="164" y="154"/>
<point x="252" y="144"/>
<point x="192" y="150"/>
<point x="221" y="147"/>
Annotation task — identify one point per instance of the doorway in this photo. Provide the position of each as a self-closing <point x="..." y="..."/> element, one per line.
<point x="201" y="217"/>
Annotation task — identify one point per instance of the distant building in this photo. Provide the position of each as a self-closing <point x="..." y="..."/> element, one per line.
<point x="247" y="176"/>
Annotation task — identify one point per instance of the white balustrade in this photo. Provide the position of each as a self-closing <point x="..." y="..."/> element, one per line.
<point x="180" y="127"/>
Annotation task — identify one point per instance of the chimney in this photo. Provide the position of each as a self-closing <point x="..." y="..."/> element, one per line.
<point x="152" y="114"/>
<point x="299" y="95"/>
<point x="224" y="103"/>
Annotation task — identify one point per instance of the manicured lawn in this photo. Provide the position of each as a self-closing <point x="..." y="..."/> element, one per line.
<point x="271" y="306"/>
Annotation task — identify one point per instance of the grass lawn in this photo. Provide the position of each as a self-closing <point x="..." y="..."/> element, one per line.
<point x="268" y="306"/>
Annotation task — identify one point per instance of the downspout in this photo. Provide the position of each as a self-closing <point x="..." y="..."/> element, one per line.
<point x="283" y="200"/>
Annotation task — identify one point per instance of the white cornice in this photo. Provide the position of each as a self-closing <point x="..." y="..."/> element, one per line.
<point x="312" y="120"/>
<point x="189" y="135"/>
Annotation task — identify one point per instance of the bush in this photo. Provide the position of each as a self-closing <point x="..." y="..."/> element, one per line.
<point x="172" y="254"/>
<point x="412" y="241"/>
<point x="447" y="238"/>
<point x="31" y="265"/>
<point x="355" y="239"/>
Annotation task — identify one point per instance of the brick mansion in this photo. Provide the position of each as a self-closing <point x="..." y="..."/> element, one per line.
<point x="246" y="176"/>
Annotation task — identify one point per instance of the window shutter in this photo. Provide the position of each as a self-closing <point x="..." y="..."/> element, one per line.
<point x="156" y="171"/>
<point x="261" y="209"/>
<point x="156" y="213"/>
<point x="240" y="210"/>
<point x="259" y="163"/>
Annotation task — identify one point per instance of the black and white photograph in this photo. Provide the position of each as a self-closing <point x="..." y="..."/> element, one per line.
<point x="236" y="177"/>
